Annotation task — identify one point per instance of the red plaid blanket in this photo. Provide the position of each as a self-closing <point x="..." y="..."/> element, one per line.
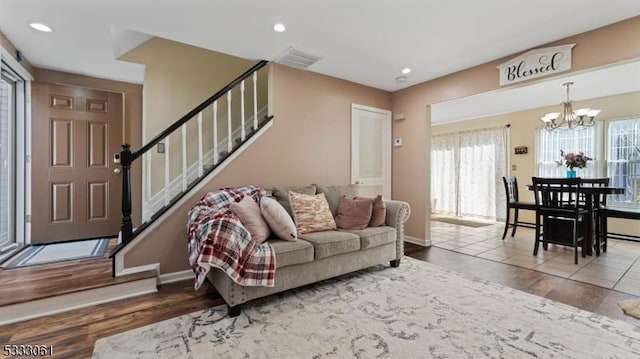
<point x="218" y="239"/>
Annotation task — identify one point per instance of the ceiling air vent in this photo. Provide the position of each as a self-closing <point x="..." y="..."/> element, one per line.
<point x="296" y="58"/>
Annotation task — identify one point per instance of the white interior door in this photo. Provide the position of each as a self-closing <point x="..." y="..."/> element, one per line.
<point x="371" y="148"/>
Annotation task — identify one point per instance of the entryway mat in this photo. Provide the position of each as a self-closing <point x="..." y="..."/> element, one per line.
<point x="460" y="221"/>
<point x="58" y="252"/>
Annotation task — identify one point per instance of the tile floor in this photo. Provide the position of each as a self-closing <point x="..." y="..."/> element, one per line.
<point x="618" y="268"/>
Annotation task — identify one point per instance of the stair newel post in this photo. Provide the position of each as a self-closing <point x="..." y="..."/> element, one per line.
<point x="125" y="163"/>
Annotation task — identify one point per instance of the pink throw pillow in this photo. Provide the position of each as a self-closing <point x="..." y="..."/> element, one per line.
<point x="249" y="213"/>
<point x="354" y="213"/>
<point x="278" y="219"/>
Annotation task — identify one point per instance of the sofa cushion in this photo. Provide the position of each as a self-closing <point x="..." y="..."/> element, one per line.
<point x="375" y="236"/>
<point x="290" y="253"/>
<point x="281" y="194"/>
<point x="249" y="213"/>
<point x="311" y="213"/>
<point x="330" y="243"/>
<point x="354" y="213"/>
<point x="278" y="219"/>
<point x="333" y="193"/>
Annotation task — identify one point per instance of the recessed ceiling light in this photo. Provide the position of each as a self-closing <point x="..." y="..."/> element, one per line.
<point x="401" y="79"/>
<point x="279" y="27"/>
<point x="40" y="27"/>
<point x="406" y="70"/>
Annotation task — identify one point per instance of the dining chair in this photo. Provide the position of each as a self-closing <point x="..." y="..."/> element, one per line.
<point x="595" y="182"/>
<point x="597" y="202"/>
<point x="513" y="202"/>
<point x="559" y="217"/>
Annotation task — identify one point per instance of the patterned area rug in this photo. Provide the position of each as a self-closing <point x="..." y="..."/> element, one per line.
<point x="418" y="310"/>
<point x="58" y="252"/>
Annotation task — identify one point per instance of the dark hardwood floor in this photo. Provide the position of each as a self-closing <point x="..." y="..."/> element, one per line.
<point x="73" y="334"/>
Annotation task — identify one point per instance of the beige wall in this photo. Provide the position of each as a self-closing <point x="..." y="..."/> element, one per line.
<point x="132" y="126"/>
<point x="178" y="77"/>
<point x="308" y="143"/>
<point x="607" y="45"/>
<point x="524" y="125"/>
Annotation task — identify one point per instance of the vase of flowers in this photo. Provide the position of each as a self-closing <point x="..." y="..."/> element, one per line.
<point x="573" y="160"/>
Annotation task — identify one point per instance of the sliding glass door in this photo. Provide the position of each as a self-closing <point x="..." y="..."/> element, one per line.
<point x="14" y="166"/>
<point x="466" y="173"/>
<point x="7" y="159"/>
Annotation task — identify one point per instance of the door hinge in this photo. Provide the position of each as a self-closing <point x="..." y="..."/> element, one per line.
<point x="28" y="158"/>
<point x="27" y="218"/>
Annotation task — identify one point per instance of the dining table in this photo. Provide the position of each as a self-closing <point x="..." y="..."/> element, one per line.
<point x="593" y="196"/>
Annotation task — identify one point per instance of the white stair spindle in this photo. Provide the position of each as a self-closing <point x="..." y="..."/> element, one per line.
<point x="215" y="132"/>
<point x="167" y="179"/>
<point x="200" y="164"/>
<point x="255" y="101"/>
<point x="242" y="130"/>
<point x="184" y="157"/>
<point x="229" y="139"/>
<point x="147" y="185"/>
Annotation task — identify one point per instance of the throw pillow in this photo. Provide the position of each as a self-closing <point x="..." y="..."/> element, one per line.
<point x="354" y="213"/>
<point x="281" y="194"/>
<point x="249" y="213"/>
<point x="278" y="219"/>
<point x="311" y="212"/>
<point x="378" y="213"/>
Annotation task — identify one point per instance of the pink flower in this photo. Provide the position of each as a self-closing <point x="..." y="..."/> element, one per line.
<point x="573" y="160"/>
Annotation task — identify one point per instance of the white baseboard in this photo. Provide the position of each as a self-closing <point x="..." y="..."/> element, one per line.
<point x="67" y="302"/>
<point x="418" y="241"/>
<point x="175" y="276"/>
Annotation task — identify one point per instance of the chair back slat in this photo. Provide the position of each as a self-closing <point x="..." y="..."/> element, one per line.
<point x="511" y="188"/>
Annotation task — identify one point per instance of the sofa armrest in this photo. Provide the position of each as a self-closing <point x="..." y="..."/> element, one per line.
<point x="397" y="214"/>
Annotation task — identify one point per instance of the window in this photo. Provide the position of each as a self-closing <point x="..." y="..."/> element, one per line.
<point x="623" y="160"/>
<point x="616" y="155"/>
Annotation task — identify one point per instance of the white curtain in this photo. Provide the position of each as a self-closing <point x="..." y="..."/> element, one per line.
<point x="466" y="173"/>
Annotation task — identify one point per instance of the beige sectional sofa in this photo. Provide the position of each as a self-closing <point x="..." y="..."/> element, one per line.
<point x="321" y="255"/>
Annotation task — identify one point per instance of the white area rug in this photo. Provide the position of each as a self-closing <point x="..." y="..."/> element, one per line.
<point x="418" y="310"/>
<point x="51" y="253"/>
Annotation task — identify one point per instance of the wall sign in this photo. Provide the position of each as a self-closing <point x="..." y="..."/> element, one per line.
<point x="520" y="150"/>
<point x="536" y="63"/>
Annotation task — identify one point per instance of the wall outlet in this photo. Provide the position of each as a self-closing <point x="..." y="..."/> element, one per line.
<point x="161" y="147"/>
<point x="513" y="167"/>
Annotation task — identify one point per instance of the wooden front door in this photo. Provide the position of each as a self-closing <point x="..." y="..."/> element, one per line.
<point x="75" y="191"/>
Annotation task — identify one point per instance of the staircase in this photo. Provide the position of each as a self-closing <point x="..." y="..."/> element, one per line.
<point x="201" y="142"/>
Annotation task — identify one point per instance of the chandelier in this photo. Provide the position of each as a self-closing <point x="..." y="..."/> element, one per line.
<point x="568" y="119"/>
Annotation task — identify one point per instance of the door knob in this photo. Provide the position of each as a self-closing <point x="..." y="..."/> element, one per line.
<point x="116" y="170"/>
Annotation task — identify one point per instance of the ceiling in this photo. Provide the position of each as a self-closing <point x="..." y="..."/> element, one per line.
<point x="358" y="40"/>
